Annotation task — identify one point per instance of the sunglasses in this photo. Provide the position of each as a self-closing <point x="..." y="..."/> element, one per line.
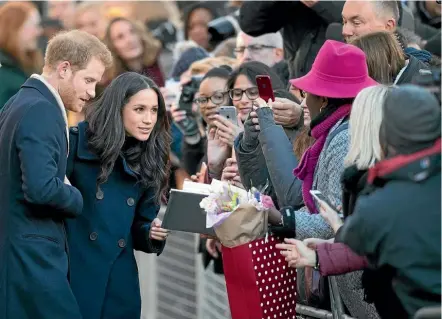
<point x="237" y="94"/>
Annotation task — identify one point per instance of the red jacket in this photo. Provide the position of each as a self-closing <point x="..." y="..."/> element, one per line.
<point x="338" y="259"/>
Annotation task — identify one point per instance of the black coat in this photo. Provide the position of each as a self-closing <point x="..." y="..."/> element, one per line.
<point x="115" y="221"/>
<point x="396" y="225"/>
<point x="303" y="28"/>
<point x="34" y="203"/>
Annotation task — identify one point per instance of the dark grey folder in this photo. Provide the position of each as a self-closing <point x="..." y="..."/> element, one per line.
<point x="183" y="213"/>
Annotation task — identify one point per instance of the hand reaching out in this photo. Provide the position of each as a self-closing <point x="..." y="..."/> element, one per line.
<point x="297" y="254"/>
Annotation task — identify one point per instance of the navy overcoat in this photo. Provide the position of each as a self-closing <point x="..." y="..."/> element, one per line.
<point x="34" y="203"/>
<point x="115" y="220"/>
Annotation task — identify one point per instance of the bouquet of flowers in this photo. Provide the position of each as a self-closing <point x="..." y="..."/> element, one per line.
<point x="225" y="199"/>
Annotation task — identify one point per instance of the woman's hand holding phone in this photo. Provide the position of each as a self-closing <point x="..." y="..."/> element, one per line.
<point x="226" y="130"/>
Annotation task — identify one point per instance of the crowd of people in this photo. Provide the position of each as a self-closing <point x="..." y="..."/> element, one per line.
<point x="98" y="122"/>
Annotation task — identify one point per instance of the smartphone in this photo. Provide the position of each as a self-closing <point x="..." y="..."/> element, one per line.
<point x="265" y="88"/>
<point x="320" y="197"/>
<point x="229" y="112"/>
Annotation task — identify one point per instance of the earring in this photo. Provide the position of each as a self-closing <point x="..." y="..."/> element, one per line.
<point x="320" y="110"/>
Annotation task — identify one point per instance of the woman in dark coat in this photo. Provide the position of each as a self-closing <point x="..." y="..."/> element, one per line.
<point x="119" y="160"/>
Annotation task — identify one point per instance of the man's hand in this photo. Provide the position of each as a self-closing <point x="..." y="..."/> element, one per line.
<point x="286" y="112"/>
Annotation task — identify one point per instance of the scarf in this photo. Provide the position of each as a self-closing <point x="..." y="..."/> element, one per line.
<point x="306" y="168"/>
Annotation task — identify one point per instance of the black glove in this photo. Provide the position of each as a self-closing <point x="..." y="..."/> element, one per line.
<point x="288" y="227"/>
<point x="249" y="140"/>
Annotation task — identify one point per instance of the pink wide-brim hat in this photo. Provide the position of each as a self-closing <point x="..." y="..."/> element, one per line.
<point x="339" y="71"/>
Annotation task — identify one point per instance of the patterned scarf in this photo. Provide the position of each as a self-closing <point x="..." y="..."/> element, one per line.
<point x="306" y="168"/>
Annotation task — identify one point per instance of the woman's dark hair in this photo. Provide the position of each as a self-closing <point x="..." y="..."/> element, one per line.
<point x="107" y="135"/>
<point x="251" y="70"/>
<point x="188" y="13"/>
<point x="222" y="72"/>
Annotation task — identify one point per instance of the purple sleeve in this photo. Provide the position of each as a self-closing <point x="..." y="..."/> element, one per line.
<point x="338" y="259"/>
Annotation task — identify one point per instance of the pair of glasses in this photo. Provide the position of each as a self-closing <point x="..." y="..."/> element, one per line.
<point x="216" y="98"/>
<point x="254" y="48"/>
<point x="236" y="94"/>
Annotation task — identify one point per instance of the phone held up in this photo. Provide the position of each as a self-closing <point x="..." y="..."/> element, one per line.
<point x="265" y="88"/>
<point x="321" y="198"/>
<point x="229" y="112"/>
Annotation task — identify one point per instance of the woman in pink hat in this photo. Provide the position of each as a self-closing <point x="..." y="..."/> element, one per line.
<point x="338" y="74"/>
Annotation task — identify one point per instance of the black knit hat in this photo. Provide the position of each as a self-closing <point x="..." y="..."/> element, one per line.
<point x="412" y="119"/>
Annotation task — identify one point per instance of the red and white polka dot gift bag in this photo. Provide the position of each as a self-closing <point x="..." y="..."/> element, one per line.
<point x="260" y="285"/>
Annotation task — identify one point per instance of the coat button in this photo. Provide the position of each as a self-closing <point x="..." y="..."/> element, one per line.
<point x="99" y="194"/>
<point x="130" y="201"/>
<point x="93" y="236"/>
<point x="121" y="243"/>
<point x="74" y="129"/>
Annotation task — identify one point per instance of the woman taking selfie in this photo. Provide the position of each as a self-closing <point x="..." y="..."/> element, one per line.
<point x="119" y="160"/>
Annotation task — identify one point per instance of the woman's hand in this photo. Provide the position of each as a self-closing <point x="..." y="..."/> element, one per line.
<point x="330" y="215"/>
<point x="156" y="232"/>
<point x="217" y="153"/>
<point x="312" y="243"/>
<point x="231" y="173"/>
<point x="177" y="114"/>
<point x="297" y="254"/>
<point x="212" y="247"/>
<point x="226" y="130"/>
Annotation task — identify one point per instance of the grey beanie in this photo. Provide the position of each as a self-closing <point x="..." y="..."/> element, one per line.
<point x="412" y="119"/>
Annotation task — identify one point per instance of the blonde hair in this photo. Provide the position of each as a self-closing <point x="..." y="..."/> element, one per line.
<point x="364" y="127"/>
<point x="78" y="48"/>
<point x="12" y="17"/>
<point x="205" y="65"/>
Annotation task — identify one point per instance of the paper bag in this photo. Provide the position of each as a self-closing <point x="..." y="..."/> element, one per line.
<point x="244" y="224"/>
<point x="259" y="283"/>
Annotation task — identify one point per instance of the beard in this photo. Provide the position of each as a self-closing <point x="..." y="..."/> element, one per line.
<point x="69" y="97"/>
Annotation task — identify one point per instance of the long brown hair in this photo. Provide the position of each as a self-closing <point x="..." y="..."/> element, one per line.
<point x="12" y="17"/>
<point x="151" y="47"/>
<point x="385" y="57"/>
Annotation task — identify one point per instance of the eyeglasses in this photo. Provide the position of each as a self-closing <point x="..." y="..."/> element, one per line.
<point x="216" y="98"/>
<point x="254" y="48"/>
<point x="236" y="94"/>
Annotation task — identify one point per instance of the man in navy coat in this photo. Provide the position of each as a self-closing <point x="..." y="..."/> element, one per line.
<point x="35" y="196"/>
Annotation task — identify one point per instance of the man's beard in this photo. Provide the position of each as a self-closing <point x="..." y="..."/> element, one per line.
<point x="68" y="96"/>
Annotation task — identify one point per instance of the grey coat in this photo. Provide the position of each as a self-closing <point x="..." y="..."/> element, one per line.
<point x="272" y="160"/>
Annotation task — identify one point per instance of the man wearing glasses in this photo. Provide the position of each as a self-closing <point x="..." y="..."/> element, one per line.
<point x="267" y="48"/>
